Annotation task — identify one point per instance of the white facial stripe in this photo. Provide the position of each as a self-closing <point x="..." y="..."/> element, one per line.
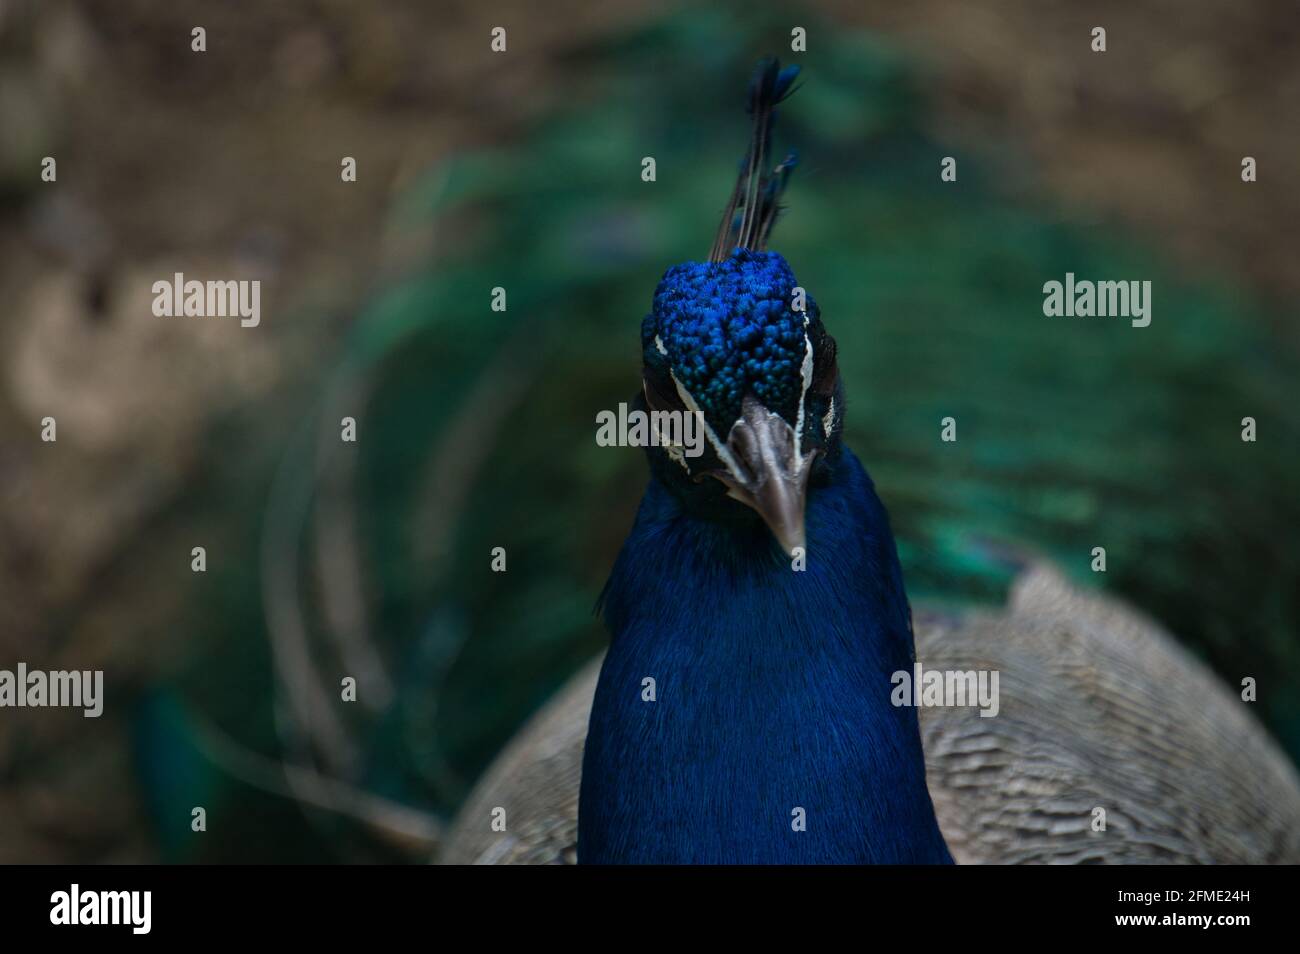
<point x="674" y="451"/>
<point x="829" y="420"/>
<point x="660" y="345"/>
<point x="720" y="448"/>
<point x="805" y="372"/>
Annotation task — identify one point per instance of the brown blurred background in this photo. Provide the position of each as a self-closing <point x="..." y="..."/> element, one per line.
<point x="229" y="162"/>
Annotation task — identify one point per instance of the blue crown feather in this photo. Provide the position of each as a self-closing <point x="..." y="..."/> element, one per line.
<point x="728" y="329"/>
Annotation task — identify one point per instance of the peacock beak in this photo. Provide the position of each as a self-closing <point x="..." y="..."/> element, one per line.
<point x="766" y="470"/>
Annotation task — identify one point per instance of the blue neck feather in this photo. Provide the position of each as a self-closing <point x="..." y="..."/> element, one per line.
<point x="772" y="694"/>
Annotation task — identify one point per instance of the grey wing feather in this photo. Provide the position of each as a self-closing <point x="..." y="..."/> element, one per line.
<point x="1100" y="709"/>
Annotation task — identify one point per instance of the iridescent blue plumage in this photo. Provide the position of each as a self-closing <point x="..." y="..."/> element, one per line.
<point x="772" y="694"/>
<point x="743" y="711"/>
<point x="730" y="327"/>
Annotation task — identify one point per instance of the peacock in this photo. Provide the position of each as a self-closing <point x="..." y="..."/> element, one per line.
<point x="772" y="684"/>
<point x="758" y="620"/>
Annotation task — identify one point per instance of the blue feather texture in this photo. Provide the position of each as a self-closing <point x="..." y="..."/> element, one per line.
<point x="772" y="694"/>
<point x="729" y="328"/>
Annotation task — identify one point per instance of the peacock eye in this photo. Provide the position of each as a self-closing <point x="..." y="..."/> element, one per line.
<point x="826" y="372"/>
<point x="660" y="392"/>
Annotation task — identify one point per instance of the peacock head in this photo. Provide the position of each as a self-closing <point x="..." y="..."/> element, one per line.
<point x="739" y="345"/>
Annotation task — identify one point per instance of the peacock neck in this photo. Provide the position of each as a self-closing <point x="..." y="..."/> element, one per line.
<point x="743" y="712"/>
